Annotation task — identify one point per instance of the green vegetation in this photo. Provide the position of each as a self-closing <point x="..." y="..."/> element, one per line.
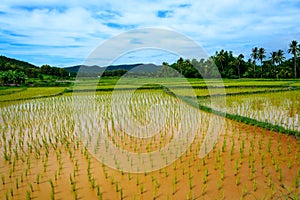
<point x="15" y="72"/>
<point x="230" y="66"/>
<point x="245" y="156"/>
<point x="14" y="94"/>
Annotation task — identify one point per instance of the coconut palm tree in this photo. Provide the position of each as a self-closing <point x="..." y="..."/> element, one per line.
<point x="274" y="57"/>
<point x="261" y="55"/>
<point x="280" y="56"/>
<point x="165" y="66"/>
<point x="254" y="55"/>
<point x="179" y="64"/>
<point x="221" y="58"/>
<point x="239" y="61"/>
<point x="294" y="48"/>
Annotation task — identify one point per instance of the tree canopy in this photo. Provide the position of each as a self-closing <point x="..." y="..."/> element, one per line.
<point x="273" y="66"/>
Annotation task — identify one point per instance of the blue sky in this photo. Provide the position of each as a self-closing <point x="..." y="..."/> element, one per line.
<point x="64" y="33"/>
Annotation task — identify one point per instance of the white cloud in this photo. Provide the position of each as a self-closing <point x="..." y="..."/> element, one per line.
<point x="72" y="29"/>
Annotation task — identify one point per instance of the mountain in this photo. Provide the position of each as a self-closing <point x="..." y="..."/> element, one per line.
<point x="89" y="69"/>
<point x="33" y="71"/>
<point x="11" y="63"/>
<point x="133" y="68"/>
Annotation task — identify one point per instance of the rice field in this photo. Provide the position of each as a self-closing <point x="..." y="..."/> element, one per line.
<point x="278" y="108"/>
<point x="27" y="93"/>
<point x="146" y="144"/>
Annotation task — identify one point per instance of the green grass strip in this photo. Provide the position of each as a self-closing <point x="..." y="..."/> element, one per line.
<point x="234" y="117"/>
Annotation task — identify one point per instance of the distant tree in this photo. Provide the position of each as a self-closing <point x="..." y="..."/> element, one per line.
<point x="261" y="55"/>
<point x="280" y="56"/>
<point x="273" y="57"/>
<point x="294" y="48"/>
<point x="46" y="69"/>
<point x="63" y="72"/>
<point x="254" y="55"/>
<point x="221" y="58"/>
<point x="180" y="65"/>
<point x="12" y="77"/>
<point x="239" y="61"/>
<point x="165" y="67"/>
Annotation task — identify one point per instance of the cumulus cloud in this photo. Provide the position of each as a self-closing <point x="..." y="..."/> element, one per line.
<point x="66" y="32"/>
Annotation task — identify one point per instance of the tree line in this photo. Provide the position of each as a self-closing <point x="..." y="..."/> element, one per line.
<point x="14" y="71"/>
<point x="259" y="65"/>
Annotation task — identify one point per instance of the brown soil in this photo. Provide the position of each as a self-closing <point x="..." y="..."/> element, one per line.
<point x="237" y="183"/>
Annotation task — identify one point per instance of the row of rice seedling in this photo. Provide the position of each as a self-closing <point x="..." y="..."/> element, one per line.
<point x="34" y="92"/>
<point x="203" y="92"/>
<point x="280" y="108"/>
<point x="10" y="90"/>
<point x="48" y="146"/>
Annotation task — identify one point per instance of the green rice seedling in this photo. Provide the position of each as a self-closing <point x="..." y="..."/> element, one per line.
<point x="51" y="184"/>
<point x="10" y="173"/>
<point x="156" y="184"/>
<point x="73" y="186"/>
<point x="238" y="181"/>
<point x="267" y="172"/>
<point x="206" y="172"/>
<point x="173" y="187"/>
<point x="142" y="188"/>
<point x="93" y="183"/>
<point x="222" y="174"/>
<point x="280" y="174"/>
<point x="75" y="195"/>
<point x="3" y="179"/>
<point x="270" y="181"/>
<point x="22" y="179"/>
<point x="204" y="189"/>
<point x="276" y="167"/>
<point x="98" y="190"/>
<point x="121" y="194"/>
<point x="191" y="184"/>
<point x="31" y="188"/>
<point x="297" y="182"/>
<point x="28" y="195"/>
<point x="175" y="179"/>
<point x="52" y="195"/>
<point x="290" y="164"/>
<point x="55" y="176"/>
<point x="38" y="176"/>
<point x="219" y="185"/>
<point x="17" y="183"/>
<point x="155" y="193"/>
<point x="166" y="173"/>
<point x="244" y="191"/>
<point x="117" y="187"/>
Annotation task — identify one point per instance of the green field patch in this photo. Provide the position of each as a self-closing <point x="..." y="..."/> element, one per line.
<point x="34" y="92"/>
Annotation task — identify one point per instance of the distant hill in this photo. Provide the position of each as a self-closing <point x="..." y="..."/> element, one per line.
<point x="11" y="63"/>
<point x="89" y="69"/>
<point x="33" y="71"/>
<point x="133" y="68"/>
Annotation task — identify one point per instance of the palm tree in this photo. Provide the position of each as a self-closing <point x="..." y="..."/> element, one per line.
<point x="179" y="64"/>
<point x="165" y="66"/>
<point x="261" y="55"/>
<point x="295" y="50"/>
<point x="280" y="56"/>
<point x="221" y="58"/>
<point x="239" y="61"/>
<point x="274" y="57"/>
<point x="254" y="55"/>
